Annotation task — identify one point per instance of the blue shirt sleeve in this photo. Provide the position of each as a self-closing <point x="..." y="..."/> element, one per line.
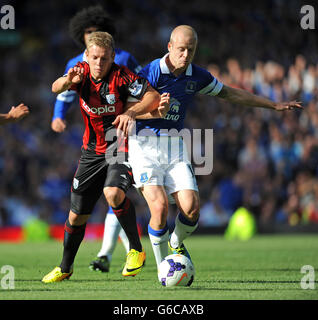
<point x="209" y="85"/>
<point x="151" y="72"/>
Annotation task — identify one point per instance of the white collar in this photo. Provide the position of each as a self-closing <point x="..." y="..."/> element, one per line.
<point x="165" y="70"/>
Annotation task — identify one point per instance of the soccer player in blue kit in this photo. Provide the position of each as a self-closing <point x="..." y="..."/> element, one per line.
<point x="85" y="22"/>
<point x="176" y="74"/>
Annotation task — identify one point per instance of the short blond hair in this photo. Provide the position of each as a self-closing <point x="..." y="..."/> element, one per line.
<point x="101" y="39"/>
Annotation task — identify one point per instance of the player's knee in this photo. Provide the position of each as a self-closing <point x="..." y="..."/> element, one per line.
<point x="76" y="219"/>
<point x="159" y="209"/>
<point x="114" y="196"/>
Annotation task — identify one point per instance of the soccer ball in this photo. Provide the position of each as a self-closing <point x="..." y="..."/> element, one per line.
<point x="176" y="270"/>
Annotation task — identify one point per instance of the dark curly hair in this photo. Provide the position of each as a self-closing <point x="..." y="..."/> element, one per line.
<point x="94" y="16"/>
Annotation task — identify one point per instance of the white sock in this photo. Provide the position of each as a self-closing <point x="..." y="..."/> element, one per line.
<point x="124" y="239"/>
<point x="183" y="228"/>
<point x="112" y="228"/>
<point x="159" y="241"/>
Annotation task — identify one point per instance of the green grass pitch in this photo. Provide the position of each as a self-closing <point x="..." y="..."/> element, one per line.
<point x="267" y="267"/>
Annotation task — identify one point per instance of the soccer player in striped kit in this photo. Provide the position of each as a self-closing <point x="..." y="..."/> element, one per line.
<point x="111" y="97"/>
<point x="81" y="26"/>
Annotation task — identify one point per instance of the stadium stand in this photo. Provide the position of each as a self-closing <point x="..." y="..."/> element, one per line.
<point x="263" y="160"/>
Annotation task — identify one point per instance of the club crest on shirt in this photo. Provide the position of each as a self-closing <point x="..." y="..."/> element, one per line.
<point x="75" y="183"/>
<point x="191" y="87"/>
<point x="144" y="177"/>
<point x="110" y="98"/>
<point x="174" y="105"/>
<point x="173" y="113"/>
<point x="135" y="88"/>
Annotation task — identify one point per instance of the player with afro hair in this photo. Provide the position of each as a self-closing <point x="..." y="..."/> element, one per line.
<point x="90" y="17"/>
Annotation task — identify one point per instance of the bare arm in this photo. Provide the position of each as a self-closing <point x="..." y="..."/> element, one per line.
<point x="15" y="114"/>
<point x="74" y="75"/>
<point x="243" y="97"/>
<point x="148" y="103"/>
<point x="161" y="111"/>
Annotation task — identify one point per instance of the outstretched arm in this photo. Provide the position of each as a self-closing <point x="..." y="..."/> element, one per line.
<point x="74" y="76"/>
<point x="243" y="97"/>
<point x="15" y="114"/>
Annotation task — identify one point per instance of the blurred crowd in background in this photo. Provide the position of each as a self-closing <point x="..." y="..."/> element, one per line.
<point x="263" y="160"/>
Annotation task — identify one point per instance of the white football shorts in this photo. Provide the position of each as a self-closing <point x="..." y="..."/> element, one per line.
<point x="161" y="161"/>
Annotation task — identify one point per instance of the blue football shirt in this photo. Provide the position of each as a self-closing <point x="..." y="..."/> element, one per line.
<point x="182" y="90"/>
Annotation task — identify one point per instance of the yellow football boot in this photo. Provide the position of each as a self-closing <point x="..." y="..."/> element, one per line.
<point x="134" y="262"/>
<point x="56" y="275"/>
